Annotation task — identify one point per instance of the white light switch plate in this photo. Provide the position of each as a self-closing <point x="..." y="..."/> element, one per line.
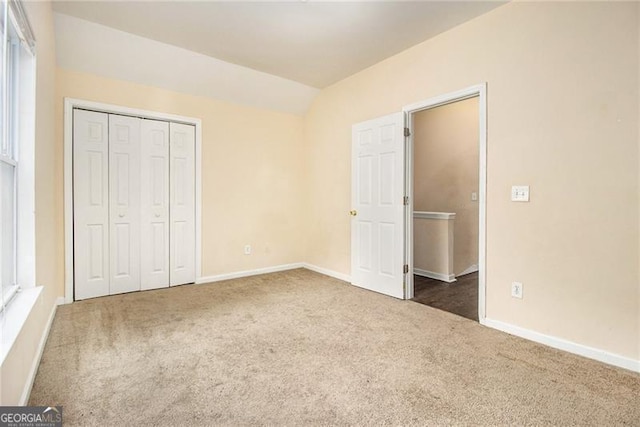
<point x="520" y="193"/>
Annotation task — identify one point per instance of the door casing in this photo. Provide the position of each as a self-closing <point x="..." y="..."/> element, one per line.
<point x="69" y="105"/>
<point x="479" y="91"/>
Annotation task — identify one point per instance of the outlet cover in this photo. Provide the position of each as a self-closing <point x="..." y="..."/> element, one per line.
<point x="516" y="290"/>
<point x="247" y="250"/>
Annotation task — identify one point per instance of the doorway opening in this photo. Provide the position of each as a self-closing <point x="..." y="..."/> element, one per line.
<point x="446" y="184"/>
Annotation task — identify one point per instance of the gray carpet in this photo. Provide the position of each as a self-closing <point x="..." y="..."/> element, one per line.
<point x="299" y="348"/>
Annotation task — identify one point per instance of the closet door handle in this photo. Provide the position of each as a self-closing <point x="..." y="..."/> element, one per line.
<point x="121" y="215"/>
<point x="157" y="215"/>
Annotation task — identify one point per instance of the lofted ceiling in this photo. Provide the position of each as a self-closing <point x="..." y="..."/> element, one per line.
<point x="315" y="43"/>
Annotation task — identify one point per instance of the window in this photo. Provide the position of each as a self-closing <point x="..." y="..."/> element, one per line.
<point x="17" y="121"/>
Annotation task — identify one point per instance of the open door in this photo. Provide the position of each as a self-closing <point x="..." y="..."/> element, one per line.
<point x="377" y="200"/>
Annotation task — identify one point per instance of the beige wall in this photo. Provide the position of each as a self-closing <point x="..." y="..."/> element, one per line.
<point x="562" y="84"/>
<point x="445" y="164"/>
<point x="19" y="361"/>
<point x="251" y="169"/>
<point x="433" y="246"/>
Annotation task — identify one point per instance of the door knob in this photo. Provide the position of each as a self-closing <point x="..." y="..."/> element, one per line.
<point x="121" y="215"/>
<point x="353" y="212"/>
<point x="157" y="215"/>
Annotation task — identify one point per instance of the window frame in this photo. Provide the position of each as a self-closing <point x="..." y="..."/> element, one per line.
<point x="17" y="130"/>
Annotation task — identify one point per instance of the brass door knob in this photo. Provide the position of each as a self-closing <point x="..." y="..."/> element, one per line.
<point x="353" y="212"/>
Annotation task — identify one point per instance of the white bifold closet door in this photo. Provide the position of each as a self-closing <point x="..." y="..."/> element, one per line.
<point x="124" y="203"/>
<point x="134" y="204"/>
<point x="91" y="204"/>
<point x="182" y="204"/>
<point x="155" y="204"/>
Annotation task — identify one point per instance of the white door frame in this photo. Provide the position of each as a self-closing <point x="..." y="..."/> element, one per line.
<point x="479" y="91"/>
<point x="69" y="105"/>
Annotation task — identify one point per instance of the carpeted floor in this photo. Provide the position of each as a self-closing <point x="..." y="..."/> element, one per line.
<point x="299" y="348"/>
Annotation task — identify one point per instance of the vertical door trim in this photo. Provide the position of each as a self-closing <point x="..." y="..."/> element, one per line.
<point x="69" y="105"/>
<point x="479" y="91"/>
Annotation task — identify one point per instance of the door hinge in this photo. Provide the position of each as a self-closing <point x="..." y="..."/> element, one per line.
<point x="406" y="200"/>
<point x="406" y="269"/>
<point x="407" y="132"/>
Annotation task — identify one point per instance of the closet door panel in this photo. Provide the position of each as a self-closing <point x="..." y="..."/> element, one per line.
<point x="154" y="200"/>
<point x="124" y="203"/>
<point x="182" y="204"/>
<point x="90" y="204"/>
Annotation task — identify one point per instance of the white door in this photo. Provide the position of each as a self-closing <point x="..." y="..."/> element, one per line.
<point x="154" y="198"/>
<point x="182" y="204"/>
<point x="90" y="204"/>
<point x="377" y="197"/>
<point x="124" y="203"/>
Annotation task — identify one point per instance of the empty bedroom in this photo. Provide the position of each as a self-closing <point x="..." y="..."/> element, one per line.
<point x="320" y="213"/>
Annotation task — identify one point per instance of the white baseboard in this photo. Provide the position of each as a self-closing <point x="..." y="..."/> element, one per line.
<point x="472" y="269"/>
<point x="569" y="346"/>
<point x="274" y="269"/>
<point x="449" y="278"/>
<point x="248" y="273"/>
<point x="24" y="399"/>
<point x="327" y="272"/>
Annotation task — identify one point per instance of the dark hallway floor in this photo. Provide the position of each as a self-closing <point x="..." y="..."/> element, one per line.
<point x="460" y="297"/>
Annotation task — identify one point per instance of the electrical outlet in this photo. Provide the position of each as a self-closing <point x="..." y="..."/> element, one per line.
<point x="247" y="250"/>
<point x="474" y="197"/>
<point x="516" y="290"/>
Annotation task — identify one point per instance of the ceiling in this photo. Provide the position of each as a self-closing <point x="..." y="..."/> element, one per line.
<point x="314" y="43"/>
